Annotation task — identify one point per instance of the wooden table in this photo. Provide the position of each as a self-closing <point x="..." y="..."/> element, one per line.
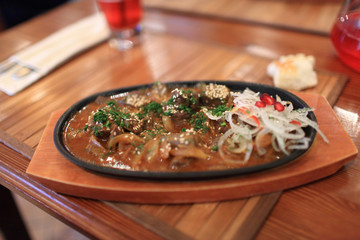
<point x="178" y="46"/>
<point x="309" y="16"/>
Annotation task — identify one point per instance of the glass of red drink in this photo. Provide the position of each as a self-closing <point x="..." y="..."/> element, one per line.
<point x="345" y="34"/>
<point x="123" y="18"/>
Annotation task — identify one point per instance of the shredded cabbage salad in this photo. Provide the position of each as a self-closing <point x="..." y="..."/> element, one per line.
<point x="255" y="115"/>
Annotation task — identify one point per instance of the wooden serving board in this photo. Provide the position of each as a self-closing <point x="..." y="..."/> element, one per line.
<point x="50" y="168"/>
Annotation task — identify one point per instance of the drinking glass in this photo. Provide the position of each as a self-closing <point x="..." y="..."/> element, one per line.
<point x="123" y="18"/>
<point x="345" y="34"/>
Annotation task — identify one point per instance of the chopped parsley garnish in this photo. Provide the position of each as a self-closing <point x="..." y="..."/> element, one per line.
<point x="198" y="121"/>
<point x="107" y="124"/>
<point x="106" y="116"/>
<point x="193" y="100"/>
<point x="168" y="113"/>
<point x="171" y="102"/>
<point x="139" y="115"/>
<point x="97" y="131"/>
<point x="112" y="113"/>
<point x="219" y="110"/>
<point x="190" y="99"/>
<point x="105" y="155"/>
<point x="186" y="91"/>
<point x="215" y="148"/>
<point x="153" y="107"/>
<point x="111" y="104"/>
<point x="185" y="108"/>
<point x="100" y="116"/>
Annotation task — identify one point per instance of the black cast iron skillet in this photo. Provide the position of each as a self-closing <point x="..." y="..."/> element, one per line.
<point x="233" y="86"/>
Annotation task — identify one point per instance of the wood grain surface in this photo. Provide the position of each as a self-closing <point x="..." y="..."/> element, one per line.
<point x="180" y="47"/>
<point x="312" y="16"/>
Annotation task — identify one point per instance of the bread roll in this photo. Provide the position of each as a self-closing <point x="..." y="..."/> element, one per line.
<point x="293" y="72"/>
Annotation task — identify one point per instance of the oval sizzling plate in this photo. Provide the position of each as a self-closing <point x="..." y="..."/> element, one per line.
<point x="233" y="86"/>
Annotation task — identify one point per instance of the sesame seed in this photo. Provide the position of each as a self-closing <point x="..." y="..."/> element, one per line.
<point x="216" y="91"/>
<point x="137" y="100"/>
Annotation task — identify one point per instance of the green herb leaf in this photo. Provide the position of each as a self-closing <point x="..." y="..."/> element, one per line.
<point x="198" y="121"/>
<point x="153" y="107"/>
<point x="219" y="110"/>
<point x="215" y="148"/>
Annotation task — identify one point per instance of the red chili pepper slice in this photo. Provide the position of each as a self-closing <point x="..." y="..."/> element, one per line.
<point x="295" y="122"/>
<point x="247" y="112"/>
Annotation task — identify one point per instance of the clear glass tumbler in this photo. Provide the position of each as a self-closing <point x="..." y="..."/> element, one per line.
<point x="123" y="18"/>
<point x="345" y="34"/>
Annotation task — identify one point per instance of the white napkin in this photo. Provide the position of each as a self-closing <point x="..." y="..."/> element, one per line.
<point x="34" y="62"/>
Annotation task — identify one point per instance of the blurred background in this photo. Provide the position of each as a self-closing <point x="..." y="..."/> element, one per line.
<point x="14" y="12"/>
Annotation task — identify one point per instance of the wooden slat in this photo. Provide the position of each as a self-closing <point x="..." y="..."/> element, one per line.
<point x="17" y="145"/>
<point x="329" y="204"/>
<point x="194" y="218"/>
<point x="220" y="220"/>
<point x="313" y="16"/>
<point x="149" y="221"/>
<point x="223" y="220"/>
<point x="252" y="219"/>
<point x="170" y="214"/>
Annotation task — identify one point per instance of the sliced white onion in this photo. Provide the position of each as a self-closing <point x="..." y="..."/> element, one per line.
<point x="285" y="134"/>
<point x="260" y="149"/>
<point x="243" y="141"/>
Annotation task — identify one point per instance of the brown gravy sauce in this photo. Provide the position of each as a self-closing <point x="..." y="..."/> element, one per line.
<point x="156" y="129"/>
